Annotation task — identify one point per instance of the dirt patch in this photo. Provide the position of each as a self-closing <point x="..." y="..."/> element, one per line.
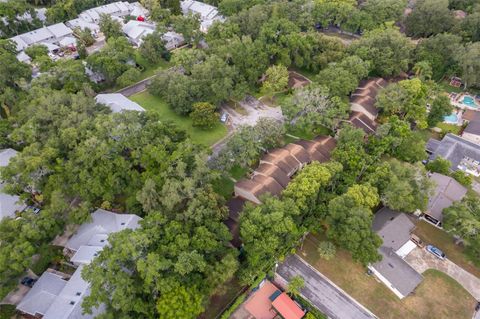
<point x="296" y="80"/>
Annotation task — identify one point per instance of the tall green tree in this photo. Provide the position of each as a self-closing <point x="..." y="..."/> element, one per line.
<point x="429" y="17"/>
<point x="110" y="27"/>
<point x="402" y="186"/>
<point x="350" y="221"/>
<point x="312" y="106"/>
<point x="387" y="50"/>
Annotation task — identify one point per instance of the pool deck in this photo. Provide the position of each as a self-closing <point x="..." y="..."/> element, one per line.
<point x="457" y="101"/>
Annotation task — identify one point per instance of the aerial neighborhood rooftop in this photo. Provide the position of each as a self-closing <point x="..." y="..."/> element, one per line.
<point x="239" y="159"/>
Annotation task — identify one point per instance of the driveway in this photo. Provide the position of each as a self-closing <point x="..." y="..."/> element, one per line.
<point x="321" y="292"/>
<point x="255" y="110"/>
<point x="421" y="260"/>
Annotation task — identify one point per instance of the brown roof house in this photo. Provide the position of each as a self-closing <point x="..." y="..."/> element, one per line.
<point x="447" y="191"/>
<point x="365" y="96"/>
<point x="279" y="165"/>
<point x="361" y="121"/>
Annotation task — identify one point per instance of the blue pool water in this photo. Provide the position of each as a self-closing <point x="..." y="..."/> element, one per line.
<point x="452" y="118"/>
<point x="468" y="100"/>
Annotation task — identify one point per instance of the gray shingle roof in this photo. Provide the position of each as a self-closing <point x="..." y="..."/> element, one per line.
<point x="397" y="271"/>
<point x="395" y="230"/>
<point x="118" y="102"/>
<point x="103" y="223"/>
<point x="455" y="149"/>
<point x="6" y="155"/>
<point x="55" y="298"/>
<point x="473" y="128"/>
<point x="447" y="191"/>
<point x="42" y="295"/>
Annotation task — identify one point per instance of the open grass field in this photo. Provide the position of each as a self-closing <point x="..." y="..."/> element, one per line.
<point x="155" y="104"/>
<point x="438" y="296"/>
<point x="441" y="239"/>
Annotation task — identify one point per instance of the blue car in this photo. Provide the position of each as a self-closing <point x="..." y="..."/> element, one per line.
<point x="435" y="251"/>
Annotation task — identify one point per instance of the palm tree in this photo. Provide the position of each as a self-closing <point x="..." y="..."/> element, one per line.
<point x="423" y="70"/>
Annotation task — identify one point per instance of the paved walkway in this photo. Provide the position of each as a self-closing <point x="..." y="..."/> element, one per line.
<point x="421" y="260"/>
<point x="321" y="292"/>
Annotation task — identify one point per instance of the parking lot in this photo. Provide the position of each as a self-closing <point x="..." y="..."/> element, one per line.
<point x="253" y="110"/>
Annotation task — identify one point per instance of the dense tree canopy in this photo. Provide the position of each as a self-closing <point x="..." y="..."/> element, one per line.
<point x="388" y="51"/>
<point x="429" y="17"/>
<point x="463" y="220"/>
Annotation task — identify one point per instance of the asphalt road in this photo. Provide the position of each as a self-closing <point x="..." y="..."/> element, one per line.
<point x="322" y="293"/>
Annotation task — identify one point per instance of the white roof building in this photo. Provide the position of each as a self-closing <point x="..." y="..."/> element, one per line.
<point x="136" y="30"/>
<point x="53" y="297"/>
<point x="68" y="41"/>
<point x="9" y="204"/>
<point x="48" y="36"/>
<point x="82" y="24"/>
<point x="42" y="294"/>
<point x="118" y="9"/>
<point x="23" y="57"/>
<point x="172" y="40"/>
<point x="6" y="155"/>
<point x="208" y="13"/>
<point x="118" y="102"/>
<point x="104" y="223"/>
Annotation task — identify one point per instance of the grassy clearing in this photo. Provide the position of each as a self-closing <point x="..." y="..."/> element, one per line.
<point x="438" y="296"/>
<point x="305" y="134"/>
<point x="217" y="303"/>
<point x="443" y="240"/>
<point x="224" y="185"/>
<point x="148" y="68"/>
<point x="445" y="86"/>
<point x="7" y="311"/>
<point x="449" y="128"/>
<point x="155" y="104"/>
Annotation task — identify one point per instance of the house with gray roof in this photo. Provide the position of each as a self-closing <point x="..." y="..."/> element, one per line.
<point x="137" y="30"/>
<point x="447" y="191"/>
<point x="42" y="295"/>
<point x="472" y="132"/>
<point x="462" y="153"/>
<point x="90" y="238"/>
<point x="59" y="297"/>
<point x="395" y="230"/>
<point x="118" y="102"/>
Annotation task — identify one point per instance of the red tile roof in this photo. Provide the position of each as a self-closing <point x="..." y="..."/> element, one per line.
<point x="287" y="308"/>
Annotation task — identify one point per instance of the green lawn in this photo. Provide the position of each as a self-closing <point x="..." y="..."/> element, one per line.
<point x="449" y="128"/>
<point x="224" y="185"/>
<point x="445" y="86"/>
<point x="150" y="69"/>
<point x="155" y="104"/>
<point x="438" y="296"/>
<point x="443" y="240"/>
<point x="305" y="134"/>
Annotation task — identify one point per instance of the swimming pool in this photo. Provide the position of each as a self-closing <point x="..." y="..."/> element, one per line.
<point x="469" y="101"/>
<point x="452" y="118"/>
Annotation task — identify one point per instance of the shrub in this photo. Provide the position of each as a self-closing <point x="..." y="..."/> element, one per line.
<point x="326" y="250"/>
<point x="128" y="77"/>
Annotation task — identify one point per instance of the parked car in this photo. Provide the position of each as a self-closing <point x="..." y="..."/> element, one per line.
<point x="436" y="251"/>
<point x="477" y="307"/>
<point x="27" y="281"/>
<point x="33" y="209"/>
<point x="224" y="118"/>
